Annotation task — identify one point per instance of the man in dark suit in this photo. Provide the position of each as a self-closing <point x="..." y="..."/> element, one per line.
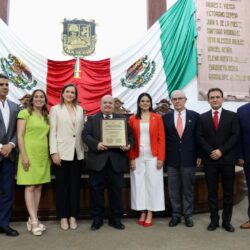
<point x="106" y="166"/>
<point x="244" y="161"/>
<point x="218" y="133"/>
<point x="181" y="157"/>
<point x="8" y="117"/>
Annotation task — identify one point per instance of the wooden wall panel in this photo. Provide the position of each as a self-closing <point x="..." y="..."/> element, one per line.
<point x="4" y="9"/>
<point x="155" y="9"/>
<point x="47" y="209"/>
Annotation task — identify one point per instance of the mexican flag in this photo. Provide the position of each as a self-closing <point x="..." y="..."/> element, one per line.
<point x="164" y="60"/>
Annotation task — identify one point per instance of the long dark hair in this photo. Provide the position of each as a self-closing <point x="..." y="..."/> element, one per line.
<point x="138" y="112"/>
<point x="45" y="111"/>
<point x="75" y="101"/>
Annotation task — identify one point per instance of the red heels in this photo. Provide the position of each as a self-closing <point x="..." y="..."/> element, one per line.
<point x="140" y="222"/>
<point x="148" y="224"/>
<point x="144" y="223"/>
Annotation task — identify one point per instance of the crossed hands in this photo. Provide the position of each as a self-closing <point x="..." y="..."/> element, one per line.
<point x="216" y="154"/>
<point x="6" y="150"/>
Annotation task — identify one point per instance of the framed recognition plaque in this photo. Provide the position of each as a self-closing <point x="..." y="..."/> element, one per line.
<point x="114" y="132"/>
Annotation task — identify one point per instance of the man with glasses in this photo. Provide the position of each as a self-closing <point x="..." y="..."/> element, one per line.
<point x="8" y="116"/>
<point x="181" y="157"/>
<point x="218" y="133"/>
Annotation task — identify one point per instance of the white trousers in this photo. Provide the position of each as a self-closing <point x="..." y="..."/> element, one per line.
<point x="147" y="189"/>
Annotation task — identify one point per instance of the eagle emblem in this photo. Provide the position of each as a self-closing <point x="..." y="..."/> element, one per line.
<point x="139" y="73"/>
<point x="17" y="72"/>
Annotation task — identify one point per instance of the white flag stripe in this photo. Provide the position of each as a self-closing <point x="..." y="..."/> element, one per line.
<point x="150" y="45"/>
<point x="11" y="44"/>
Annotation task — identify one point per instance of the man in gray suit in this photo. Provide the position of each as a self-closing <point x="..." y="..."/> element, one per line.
<point x="8" y="116"/>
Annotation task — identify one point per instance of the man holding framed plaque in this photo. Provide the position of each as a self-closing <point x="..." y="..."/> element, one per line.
<point x="108" y="137"/>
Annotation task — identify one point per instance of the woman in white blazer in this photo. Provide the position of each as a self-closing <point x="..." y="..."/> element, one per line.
<point x="66" y="149"/>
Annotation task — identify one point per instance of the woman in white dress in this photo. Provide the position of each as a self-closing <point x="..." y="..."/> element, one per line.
<point x="146" y="161"/>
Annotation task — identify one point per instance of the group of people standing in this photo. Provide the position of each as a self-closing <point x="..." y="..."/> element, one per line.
<point x="40" y="136"/>
<point x="180" y="140"/>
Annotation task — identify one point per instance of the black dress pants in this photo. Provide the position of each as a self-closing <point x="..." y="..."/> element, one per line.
<point x="7" y="189"/>
<point x="247" y="174"/>
<point x="113" y="181"/>
<point x="68" y="177"/>
<point x="226" y="172"/>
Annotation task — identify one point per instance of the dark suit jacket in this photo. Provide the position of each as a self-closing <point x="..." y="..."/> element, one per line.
<point x="96" y="160"/>
<point x="224" y="138"/>
<point x="181" y="151"/>
<point x="10" y="134"/>
<point x="244" y="117"/>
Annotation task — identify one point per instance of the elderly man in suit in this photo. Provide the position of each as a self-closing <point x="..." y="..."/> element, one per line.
<point x="244" y="161"/>
<point x="181" y="157"/>
<point x="8" y="116"/>
<point x="218" y="133"/>
<point x="106" y="166"/>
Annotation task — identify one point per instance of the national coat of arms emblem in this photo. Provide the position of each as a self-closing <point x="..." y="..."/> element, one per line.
<point x="78" y="37"/>
<point x="139" y="73"/>
<point x="17" y="72"/>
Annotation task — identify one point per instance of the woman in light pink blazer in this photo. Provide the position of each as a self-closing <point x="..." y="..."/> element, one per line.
<point x="67" y="153"/>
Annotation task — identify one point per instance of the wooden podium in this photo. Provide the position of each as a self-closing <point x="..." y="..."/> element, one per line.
<point x="47" y="205"/>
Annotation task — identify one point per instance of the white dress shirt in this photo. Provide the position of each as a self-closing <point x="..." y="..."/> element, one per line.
<point x="110" y="116"/>
<point x="219" y="113"/>
<point x="5" y="109"/>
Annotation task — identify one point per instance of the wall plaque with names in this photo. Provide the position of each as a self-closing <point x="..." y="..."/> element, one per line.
<point x="224" y="48"/>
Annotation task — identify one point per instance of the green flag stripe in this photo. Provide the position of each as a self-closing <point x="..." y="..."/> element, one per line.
<point x="178" y="47"/>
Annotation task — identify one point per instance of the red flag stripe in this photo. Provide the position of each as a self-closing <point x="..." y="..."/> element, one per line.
<point x="95" y="82"/>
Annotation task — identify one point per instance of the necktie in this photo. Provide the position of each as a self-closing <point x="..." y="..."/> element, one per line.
<point x="216" y="119"/>
<point x="179" y="125"/>
<point x="108" y="117"/>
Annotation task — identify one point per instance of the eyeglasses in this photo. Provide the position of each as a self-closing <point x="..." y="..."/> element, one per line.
<point x="4" y="84"/>
<point x="178" y="99"/>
